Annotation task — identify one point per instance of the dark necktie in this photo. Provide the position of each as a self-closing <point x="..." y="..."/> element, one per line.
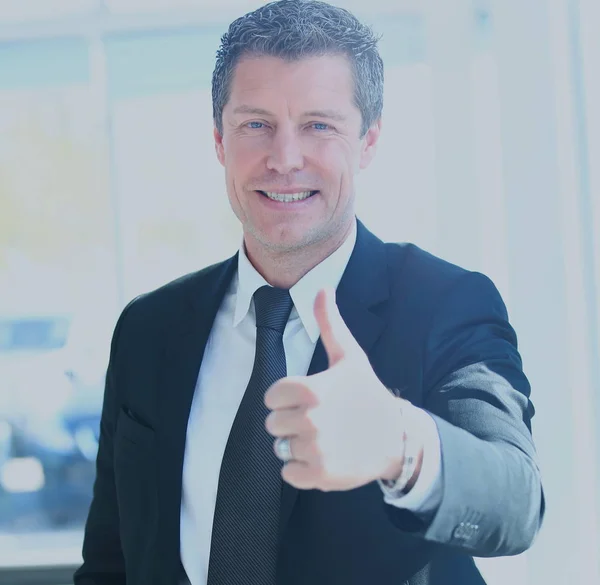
<point x="246" y="522"/>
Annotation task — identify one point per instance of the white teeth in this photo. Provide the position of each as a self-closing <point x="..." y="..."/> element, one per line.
<point x="288" y="197"/>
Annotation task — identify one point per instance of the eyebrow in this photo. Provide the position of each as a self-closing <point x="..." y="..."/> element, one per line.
<point x="330" y="114"/>
<point x="251" y="110"/>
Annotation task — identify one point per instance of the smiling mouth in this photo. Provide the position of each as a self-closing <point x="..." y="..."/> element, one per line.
<point x="287" y="197"/>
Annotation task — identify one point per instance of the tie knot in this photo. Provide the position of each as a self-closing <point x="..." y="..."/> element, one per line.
<point x="273" y="307"/>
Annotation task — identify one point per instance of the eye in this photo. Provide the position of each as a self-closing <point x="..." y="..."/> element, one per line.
<point x="255" y="125"/>
<point x="321" y="126"/>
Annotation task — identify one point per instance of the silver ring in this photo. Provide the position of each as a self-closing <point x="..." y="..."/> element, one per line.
<point x="283" y="449"/>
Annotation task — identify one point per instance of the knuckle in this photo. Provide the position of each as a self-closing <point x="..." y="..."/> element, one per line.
<point x="308" y="395"/>
<point x="308" y="426"/>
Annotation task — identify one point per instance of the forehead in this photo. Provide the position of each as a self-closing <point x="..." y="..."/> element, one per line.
<point x="319" y="82"/>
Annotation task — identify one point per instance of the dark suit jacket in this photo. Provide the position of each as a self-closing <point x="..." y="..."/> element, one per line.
<point x="435" y="332"/>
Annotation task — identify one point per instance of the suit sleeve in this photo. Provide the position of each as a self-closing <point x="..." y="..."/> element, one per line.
<point x="103" y="562"/>
<point x="474" y="388"/>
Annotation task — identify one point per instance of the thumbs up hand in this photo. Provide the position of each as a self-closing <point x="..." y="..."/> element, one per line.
<point x="345" y="428"/>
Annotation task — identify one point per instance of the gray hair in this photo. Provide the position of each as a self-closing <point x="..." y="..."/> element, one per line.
<point x="292" y="30"/>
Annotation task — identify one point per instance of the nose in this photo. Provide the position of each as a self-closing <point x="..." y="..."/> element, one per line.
<point x="285" y="153"/>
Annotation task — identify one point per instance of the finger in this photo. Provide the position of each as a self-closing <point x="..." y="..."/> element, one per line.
<point x="290" y="393"/>
<point x="290" y="422"/>
<point x="300" y="475"/>
<point x="335" y="335"/>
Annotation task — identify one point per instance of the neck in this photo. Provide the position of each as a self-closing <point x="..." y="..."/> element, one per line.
<point x="284" y="268"/>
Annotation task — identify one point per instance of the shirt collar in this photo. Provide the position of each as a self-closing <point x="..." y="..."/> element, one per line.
<point x="326" y="274"/>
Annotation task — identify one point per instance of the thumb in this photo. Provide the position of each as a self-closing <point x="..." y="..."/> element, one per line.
<point x="335" y="335"/>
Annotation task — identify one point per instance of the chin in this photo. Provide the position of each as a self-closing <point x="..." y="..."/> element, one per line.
<point x="286" y="239"/>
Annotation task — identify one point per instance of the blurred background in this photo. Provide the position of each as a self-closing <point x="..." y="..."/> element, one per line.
<point x="109" y="187"/>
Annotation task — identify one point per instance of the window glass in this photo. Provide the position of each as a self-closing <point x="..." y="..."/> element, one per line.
<point x="12" y="11"/>
<point x="58" y="301"/>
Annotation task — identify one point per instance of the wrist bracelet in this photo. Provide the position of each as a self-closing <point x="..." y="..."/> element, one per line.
<point x="409" y="464"/>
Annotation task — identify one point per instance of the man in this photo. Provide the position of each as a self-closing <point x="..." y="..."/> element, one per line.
<point x="322" y="408"/>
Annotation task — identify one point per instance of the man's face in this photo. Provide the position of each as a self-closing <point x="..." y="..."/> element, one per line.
<point x="291" y="131"/>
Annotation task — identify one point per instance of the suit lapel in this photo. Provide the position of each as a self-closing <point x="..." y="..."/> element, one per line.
<point x="364" y="287"/>
<point x="184" y="350"/>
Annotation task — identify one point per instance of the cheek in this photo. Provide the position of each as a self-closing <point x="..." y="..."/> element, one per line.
<point x="336" y="161"/>
<point x="241" y="160"/>
<point x="249" y="148"/>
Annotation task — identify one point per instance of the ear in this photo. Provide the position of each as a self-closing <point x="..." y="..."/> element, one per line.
<point x="219" y="148"/>
<point x="369" y="145"/>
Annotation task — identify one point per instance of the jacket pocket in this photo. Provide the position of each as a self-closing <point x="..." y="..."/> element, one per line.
<point x="130" y="429"/>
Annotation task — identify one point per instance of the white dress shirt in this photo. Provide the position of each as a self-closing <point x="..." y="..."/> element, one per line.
<point x="223" y="377"/>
